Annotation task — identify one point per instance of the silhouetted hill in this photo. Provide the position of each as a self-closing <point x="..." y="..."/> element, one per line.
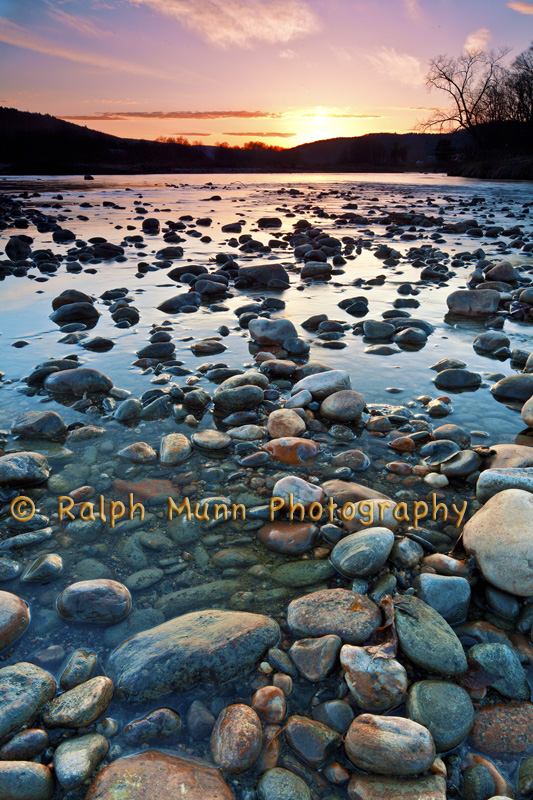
<point x="41" y="144"/>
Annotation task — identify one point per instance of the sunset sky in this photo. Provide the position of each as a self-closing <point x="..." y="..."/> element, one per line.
<point x="281" y="71"/>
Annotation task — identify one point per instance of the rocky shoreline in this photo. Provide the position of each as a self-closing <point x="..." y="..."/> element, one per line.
<point x="376" y="654"/>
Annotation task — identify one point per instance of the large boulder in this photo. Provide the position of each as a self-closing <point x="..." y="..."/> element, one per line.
<point x="152" y="774"/>
<point x="500" y="536"/>
<point x="208" y="646"/>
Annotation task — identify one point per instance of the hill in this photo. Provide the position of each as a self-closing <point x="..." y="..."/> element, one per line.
<point x="37" y="144"/>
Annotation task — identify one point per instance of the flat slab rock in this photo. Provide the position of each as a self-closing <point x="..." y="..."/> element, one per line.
<point x="208" y="646"/>
<point x="146" y="776"/>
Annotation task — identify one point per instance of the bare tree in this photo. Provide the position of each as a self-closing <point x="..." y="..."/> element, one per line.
<point x="471" y="82"/>
<point x="520" y="87"/>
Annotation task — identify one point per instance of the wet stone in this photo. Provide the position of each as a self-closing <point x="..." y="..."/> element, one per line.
<point x="316" y="658"/>
<point x="44" y="569"/>
<point x="288" y="537"/>
<point x="81" y="706"/>
<point x="76" y="759"/>
<point x="24" y="690"/>
<point x="363" y="553"/>
<point x="281" y="784"/>
<point x="376" y="684"/>
<point x="25" y="746"/>
<point x="154" y="725"/>
<point x="311" y="740"/>
<point x="340" y="612"/>
<point x="389" y="745"/>
<point x="98" y="601"/>
<point x="445" y="709"/>
<point x="79" y="669"/>
<point x="236" y="739"/>
<point x="14" y="618"/>
<point x="504" y="730"/>
<point x="24" y="780"/>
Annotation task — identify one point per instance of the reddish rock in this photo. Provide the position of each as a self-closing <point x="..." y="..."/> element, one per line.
<point x="269" y="702"/>
<point x="376" y="787"/>
<point x="285" y="422"/>
<point x="389" y="745"/>
<point x="99" y="601"/>
<point x="145" y="490"/>
<point x="288" y="537"/>
<point x="341" y="612"/>
<point x="269" y="756"/>
<point x="353" y="459"/>
<point x="292" y="451"/>
<point x="236" y="739"/>
<point x="14" y="618"/>
<point x="152" y="774"/>
<point x="403" y="444"/>
<point x="504" y="730"/>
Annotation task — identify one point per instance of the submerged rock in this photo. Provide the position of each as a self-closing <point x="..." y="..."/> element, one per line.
<point x="211" y="646"/>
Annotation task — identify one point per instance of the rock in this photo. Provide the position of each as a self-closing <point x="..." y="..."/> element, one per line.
<point x="477" y="303"/>
<point x="211" y="440"/>
<point x="78" y="381"/>
<point x="23" y="469"/>
<point x="43" y="569"/>
<point x="316" y="658"/>
<point x="200" y="721"/>
<point x="158" y="350"/>
<point x="457" y="379"/>
<point x="376" y="787"/>
<point x="356" y="460"/>
<point x="311" y="740"/>
<point x="452" y="433"/>
<point x="24" y="690"/>
<point x="322" y="384"/>
<point x="99" y="601"/>
<point x="154" y="774"/>
<point x="79" y="669"/>
<point x="445" y="709"/>
<point x="138" y="453"/>
<point x="292" y="538"/>
<point x="236" y="739"/>
<point x="514" y="388"/>
<point x="81" y="706"/>
<point x="271" y="331"/>
<point x="297" y="490"/>
<point x="280" y="784"/>
<point x="240" y="398"/>
<point x="375" y="329"/>
<point x="504" y="730"/>
<point x="14" y="618"/>
<point x="499" y="535"/>
<point x="174" y="304"/>
<point x="447" y="594"/>
<point x="460" y="464"/>
<point x="25" y="746"/>
<point x="304" y="573"/>
<point x="74" y="312"/>
<point x="207" y="347"/>
<point x="389" y="745"/>
<point x="39" y="425"/>
<point x="262" y="274"/>
<point x="175" y="448"/>
<point x="24" y="780"/>
<point x="345" y="406"/>
<point x="340" y="612"/>
<point x="204" y="595"/>
<point x="362" y="553"/>
<point x="17" y="249"/>
<point x="426" y="638"/>
<point x="376" y="505"/>
<point x="211" y="646"/>
<point x="285" y="422"/>
<point x="76" y="759"/>
<point x="292" y="450"/>
<point x="490" y="341"/>
<point x="527" y="412"/>
<point x="493" y="481"/>
<point x="376" y="684"/>
<point x="501" y="660"/>
<point x="509" y="456"/>
<point x="269" y="702"/>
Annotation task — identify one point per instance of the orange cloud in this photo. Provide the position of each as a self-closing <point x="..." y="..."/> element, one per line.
<point x="279" y="134"/>
<point x="521" y="7"/>
<point x="113" y="116"/>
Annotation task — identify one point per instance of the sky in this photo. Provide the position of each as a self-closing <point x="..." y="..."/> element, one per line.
<point x="283" y="72"/>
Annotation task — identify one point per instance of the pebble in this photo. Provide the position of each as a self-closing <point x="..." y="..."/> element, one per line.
<point x="236" y="739"/>
<point x="389" y="745"/>
<point x="76" y="759"/>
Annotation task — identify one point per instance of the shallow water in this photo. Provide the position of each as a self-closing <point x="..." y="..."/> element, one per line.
<point x="25" y="306"/>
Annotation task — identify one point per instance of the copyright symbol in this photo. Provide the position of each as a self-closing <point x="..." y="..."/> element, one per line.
<point x="22" y="508"/>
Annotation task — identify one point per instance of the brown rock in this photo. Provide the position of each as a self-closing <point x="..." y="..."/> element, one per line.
<point x="14" y="618"/>
<point x="353" y="459"/>
<point x="25" y="746"/>
<point x="23" y="780"/>
<point x="344" y="406"/>
<point x="316" y="658"/>
<point x="292" y="451"/>
<point x="376" y="787"/>
<point x="376" y="683"/>
<point x="285" y="422"/>
<point x="269" y="702"/>
<point x="236" y="739"/>
<point x="288" y="537"/>
<point x="389" y="745"/>
<point x="81" y="706"/>
<point x="152" y="774"/>
<point x="343" y="613"/>
<point x="504" y="730"/>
